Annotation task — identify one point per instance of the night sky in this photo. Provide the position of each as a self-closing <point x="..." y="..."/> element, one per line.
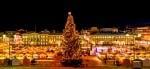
<point x="54" y="15"/>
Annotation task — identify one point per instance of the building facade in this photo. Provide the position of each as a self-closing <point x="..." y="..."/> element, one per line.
<point x="113" y="39"/>
<point x="35" y="39"/>
<point x="142" y="32"/>
<point x="87" y="40"/>
<point x="109" y="30"/>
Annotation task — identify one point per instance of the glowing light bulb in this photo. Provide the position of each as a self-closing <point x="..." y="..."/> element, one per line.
<point x="69" y="13"/>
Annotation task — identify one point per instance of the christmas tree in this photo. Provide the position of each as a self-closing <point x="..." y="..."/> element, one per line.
<point x="71" y="43"/>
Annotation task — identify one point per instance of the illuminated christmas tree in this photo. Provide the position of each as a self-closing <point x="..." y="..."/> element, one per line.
<point x="71" y="43"/>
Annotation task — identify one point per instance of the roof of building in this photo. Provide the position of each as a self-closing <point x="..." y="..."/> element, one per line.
<point x="141" y="25"/>
<point x="109" y="34"/>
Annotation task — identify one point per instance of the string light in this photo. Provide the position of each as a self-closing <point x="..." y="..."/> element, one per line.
<point x="71" y="41"/>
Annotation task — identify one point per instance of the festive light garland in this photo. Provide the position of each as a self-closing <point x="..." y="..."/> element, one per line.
<point x="71" y="41"/>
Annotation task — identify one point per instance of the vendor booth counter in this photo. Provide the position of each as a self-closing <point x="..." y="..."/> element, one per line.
<point x="21" y="61"/>
<point x="126" y="59"/>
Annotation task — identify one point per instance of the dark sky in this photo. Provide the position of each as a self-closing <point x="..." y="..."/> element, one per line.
<point x="53" y="15"/>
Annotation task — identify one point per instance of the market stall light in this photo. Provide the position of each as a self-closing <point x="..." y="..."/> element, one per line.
<point x="4" y="36"/>
<point x="145" y="36"/>
<point x="139" y="35"/>
<point x="59" y="43"/>
<point x="136" y="41"/>
<point x="127" y="34"/>
<point x="148" y="43"/>
<point x="15" y="36"/>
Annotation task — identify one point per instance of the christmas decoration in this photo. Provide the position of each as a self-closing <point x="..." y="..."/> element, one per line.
<point x="71" y="44"/>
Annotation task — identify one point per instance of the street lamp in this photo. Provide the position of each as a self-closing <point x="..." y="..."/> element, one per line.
<point x="8" y="42"/>
<point x="133" y="46"/>
<point x="139" y="35"/>
<point x="9" y="47"/>
<point x="15" y="36"/>
<point x="4" y="38"/>
<point x="127" y="34"/>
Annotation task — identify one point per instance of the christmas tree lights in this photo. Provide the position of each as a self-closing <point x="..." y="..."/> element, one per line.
<point x="71" y="43"/>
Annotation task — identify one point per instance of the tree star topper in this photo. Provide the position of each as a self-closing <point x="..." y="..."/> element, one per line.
<point x="69" y="13"/>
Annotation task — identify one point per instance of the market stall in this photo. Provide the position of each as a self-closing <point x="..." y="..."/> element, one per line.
<point x="43" y="56"/>
<point x="50" y="55"/>
<point x="29" y="56"/>
<point x="35" y="56"/>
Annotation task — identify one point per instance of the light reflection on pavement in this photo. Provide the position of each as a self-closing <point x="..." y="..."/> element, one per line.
<point x="93" y="63"/>
<point x="98" y="67"/>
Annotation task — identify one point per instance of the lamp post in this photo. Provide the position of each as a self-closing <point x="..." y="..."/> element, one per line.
<point x="9" y="46"/>
<point x="8" y="42"/>
<point x="133" y="45"/>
